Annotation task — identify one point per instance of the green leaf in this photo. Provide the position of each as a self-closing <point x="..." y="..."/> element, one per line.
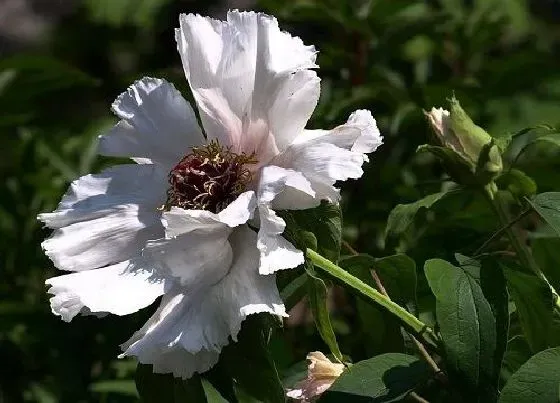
<point x="552" y="138"/>
<point x="45" y="71"/>
<point x="402" y="216"/>
<point x="324" y="222"/>
<point x="547" y="255"/>
<point x="534" y="302"/>
<point x="317" y="295"/>
<point x="455" y="165"/>
<point x="164" y="388"/>
<point x="493" y="285"/>
<point x="538" y="380"/>
<point x="373" y="296"/>
<point x="383" y="333"/>
<point x="548" y="207"/>
<point x="517" y="354"/>
<point x="121" y="12"/>
<point x="517" y="182"/>
<point x="212" y="395"/>
<point x="467" y="326"/>
<point x="397" y="274"/>
<point x="294" y="291"/>
<point x="118" y="386"/>
<point x="384" y="378"/>
<point x="320" y="229"/>
<point x="249" y="361"/>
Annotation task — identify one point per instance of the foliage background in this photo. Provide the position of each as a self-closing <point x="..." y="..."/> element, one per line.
<point x="395" y="57"/>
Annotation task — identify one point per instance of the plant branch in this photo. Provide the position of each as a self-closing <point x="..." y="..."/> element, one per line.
<point x="419" y="327"/>
<point x="417" y="397"/>
<point x="419" y="346"/>
<point x="523" y="254"/>
<point x="501" y="231"/>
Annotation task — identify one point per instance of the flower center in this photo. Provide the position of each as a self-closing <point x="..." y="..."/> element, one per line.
<point x="209" y="178"/>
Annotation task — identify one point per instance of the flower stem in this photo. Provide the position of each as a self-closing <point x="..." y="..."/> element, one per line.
<point x="419" y="346"/>
<point x="419" y="327"/>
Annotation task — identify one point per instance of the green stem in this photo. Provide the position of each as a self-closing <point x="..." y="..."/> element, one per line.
<point x="419" y="327"/>
<point x="524" y="255"/>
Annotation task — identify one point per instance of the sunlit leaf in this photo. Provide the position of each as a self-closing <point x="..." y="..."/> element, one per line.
<point x="384" y="378"/>
<point x="467" y="326"/>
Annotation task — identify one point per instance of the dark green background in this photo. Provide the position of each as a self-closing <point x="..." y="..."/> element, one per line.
<point x="395" y="57"/>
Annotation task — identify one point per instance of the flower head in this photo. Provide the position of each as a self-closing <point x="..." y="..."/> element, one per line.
<point x="209" y="178"/>
<point x="321" y="374"/>
<point x="174" y="223"/>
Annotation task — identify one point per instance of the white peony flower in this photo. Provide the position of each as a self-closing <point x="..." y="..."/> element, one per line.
<point x="174" y="224"/>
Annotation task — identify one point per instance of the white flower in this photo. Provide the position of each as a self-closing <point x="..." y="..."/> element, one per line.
<point x="255" y="92"/>
<point x="321" y="374"/>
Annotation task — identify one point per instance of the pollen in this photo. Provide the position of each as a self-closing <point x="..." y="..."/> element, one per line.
<point x="209" y="178"/>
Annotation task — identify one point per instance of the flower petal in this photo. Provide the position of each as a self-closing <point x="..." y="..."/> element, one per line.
<point x="245" y="290"/>
<point x="325" y="157"/>
<point x="178" y="221"/>
<point x="179" y="362"/>
<point x="196" y="249"/>
<point x="276" y="253"/>
<point x="197" y="258"/>
<point x="157" y="124"/>
<point x="106" y="218"/>
<point x="250" y="80"/>
<point x="120" y="289"/>
<point x="200" y="322"/>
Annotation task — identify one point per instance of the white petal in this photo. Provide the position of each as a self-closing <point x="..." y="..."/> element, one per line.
<point x="106" y="218"/>
<point x="325" y="157"/>
<point x="197" y="259"/>
<point x="276" y="253"/>
<point x="250" y="80"/>
<point x="202" y="321"/>
<point x="288" y="105"/>
<point x="196" y="249"/>
<point x="178" y="221"/>
<point x="179" y="362"/>
<point x="274" y="180"/>
<point x="120" y="289"/>
<point x="240" y="210"/>
<point x="156" y="342"/>
<point x="157" y="124"/>
<point x="244" y="290"/>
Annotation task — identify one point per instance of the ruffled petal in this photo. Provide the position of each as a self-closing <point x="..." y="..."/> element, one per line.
<point x="157" y="124"/>
<point x="276" y="253"/>
<point x="251" y="81"/>
<point x="200" y="322"/>
<point x="120" y="289"/>
<point x="196" y="258"/>
<point x="196" y="249"/>
<point x="244" y="291"/>
<point x="178" y="361"/>
<point x="106" y="218"/>
<point x="328" y="156"/>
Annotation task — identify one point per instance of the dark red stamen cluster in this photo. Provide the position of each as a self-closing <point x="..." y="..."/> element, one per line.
<point x="209" y="178"/>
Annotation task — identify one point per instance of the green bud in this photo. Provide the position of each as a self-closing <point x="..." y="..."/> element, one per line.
<point x="456" y="132"/>
<point x="466" y="133"/>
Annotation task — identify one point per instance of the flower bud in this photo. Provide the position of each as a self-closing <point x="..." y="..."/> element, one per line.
<point x="471" y="144"/>
<point x="321" y="374"/>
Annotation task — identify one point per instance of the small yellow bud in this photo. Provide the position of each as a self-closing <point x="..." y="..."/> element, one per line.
<point x="321" y="374"/>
